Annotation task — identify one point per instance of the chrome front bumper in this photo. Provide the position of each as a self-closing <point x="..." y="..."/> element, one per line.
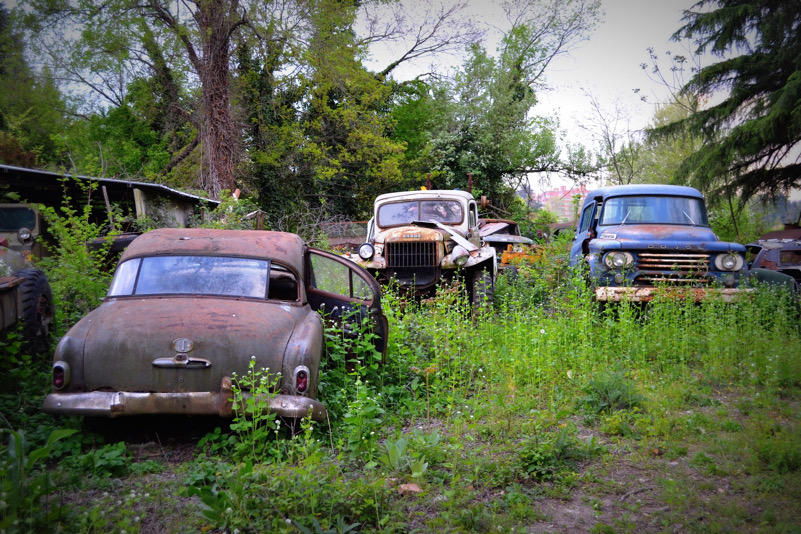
<point x="647" y="294"/>
<point x="121" y="403"/>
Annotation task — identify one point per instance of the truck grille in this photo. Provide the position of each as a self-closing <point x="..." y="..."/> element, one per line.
<point x="411" y="254"/>
<point x="674" y="268"/>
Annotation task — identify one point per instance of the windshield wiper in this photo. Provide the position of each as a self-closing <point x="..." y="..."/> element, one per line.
<point x="691" y="219"/>
<point x="626" y="217"/>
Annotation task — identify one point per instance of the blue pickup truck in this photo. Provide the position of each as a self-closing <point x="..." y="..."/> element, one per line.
<point x="638" y="240"/>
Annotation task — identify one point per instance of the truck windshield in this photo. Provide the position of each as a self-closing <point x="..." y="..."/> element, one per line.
<point x="653" y="210"/>
<point x="401" y="213"/>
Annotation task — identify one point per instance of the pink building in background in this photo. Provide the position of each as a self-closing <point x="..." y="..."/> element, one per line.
<point x="560" y="201"/>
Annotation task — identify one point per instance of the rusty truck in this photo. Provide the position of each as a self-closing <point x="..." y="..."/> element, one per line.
<point x="420" y="238"/>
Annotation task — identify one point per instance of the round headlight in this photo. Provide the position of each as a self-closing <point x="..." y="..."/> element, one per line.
<point x="460" y="255"/>
<point x="24" y="235"/>
<point x="366" y="251"/>
<point x="729" y="262"/>
<point x="617" y="260"/>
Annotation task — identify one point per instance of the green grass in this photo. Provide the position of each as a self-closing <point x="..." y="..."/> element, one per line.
<point x="677" y="416"/>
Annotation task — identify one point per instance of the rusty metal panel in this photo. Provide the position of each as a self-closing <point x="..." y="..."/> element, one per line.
<point x="682" y="268"/>
<point x="647" y="294"/>
<point x="282" y="247"/>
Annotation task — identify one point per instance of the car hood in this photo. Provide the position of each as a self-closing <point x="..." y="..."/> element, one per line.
<point x="129" y="343"/>
<point x="661" y="236"/>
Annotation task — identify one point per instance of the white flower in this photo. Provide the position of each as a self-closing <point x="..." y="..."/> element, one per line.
<point x="542" y="330"/>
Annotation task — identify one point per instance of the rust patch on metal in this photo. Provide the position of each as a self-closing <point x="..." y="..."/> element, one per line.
<point x="226" y="399"/>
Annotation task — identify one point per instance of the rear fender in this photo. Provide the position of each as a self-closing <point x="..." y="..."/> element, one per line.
<point x="305" y="347"/>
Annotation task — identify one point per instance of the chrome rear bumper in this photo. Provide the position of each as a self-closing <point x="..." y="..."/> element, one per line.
<point x="121" y="403"/>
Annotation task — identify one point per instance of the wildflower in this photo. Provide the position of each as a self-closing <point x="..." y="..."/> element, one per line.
<point x="542" y="330"/>
<point x="253" y="357"/>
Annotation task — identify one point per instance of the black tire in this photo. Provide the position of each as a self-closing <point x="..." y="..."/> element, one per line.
<point x="37" y="310"/>
<point x="482" y="289"/>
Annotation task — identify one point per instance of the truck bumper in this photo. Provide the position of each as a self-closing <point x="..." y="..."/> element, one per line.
<point x="121" y="403"/>
<point x="647" y="294"/>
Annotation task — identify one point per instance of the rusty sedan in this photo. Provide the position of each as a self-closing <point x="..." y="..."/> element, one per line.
<point x="188" y="309"/>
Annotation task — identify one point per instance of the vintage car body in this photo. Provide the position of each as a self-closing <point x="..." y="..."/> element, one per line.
<point x="776" y="261"/>
<point x="511" y="247"/>
<point x="419" y="238"/>
<point x="188" y="309"/>
<point x="638" y="240"/>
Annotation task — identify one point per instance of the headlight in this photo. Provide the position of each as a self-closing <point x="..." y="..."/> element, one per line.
<point x="729" y="262"/>
<point x="618" y="260"/>
<point x="460" y="255"/>
<point x="24" y="235"/>
<point x="366" y="251"/>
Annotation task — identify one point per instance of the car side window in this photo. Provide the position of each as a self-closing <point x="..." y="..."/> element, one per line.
<point x="586" y="218"/>
<point x="124" y="278"/>
<point x="334" y="277"/>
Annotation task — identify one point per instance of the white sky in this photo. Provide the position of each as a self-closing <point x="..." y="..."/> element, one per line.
<point x="608" y="65"/>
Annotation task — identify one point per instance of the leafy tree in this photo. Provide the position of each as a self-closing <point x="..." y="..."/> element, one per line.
<point x="661" y="157"/>
<point x="31" y="108"/>
<point x="483" y="124"/>
<point x="751" y="135"/>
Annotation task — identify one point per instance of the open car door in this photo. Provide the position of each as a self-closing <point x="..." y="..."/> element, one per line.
<point x="346" y="291"/>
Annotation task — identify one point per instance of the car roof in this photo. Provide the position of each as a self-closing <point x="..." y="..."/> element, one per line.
<point x="282" y="247"/>
<point x="642" y="189"/>
<point x="425" y="194"/>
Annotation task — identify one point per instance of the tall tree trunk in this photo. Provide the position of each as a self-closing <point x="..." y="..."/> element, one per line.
<point x="216" y="20"/>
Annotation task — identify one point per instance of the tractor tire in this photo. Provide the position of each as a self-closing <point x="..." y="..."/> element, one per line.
<point x="482" y="289"/>
<point x="37" y="310"/>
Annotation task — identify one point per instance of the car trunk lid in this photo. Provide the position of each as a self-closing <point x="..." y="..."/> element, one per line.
<point x="134" y="345"/>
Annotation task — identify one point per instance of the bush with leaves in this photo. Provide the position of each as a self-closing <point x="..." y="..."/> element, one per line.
<point x="76" y="273"/>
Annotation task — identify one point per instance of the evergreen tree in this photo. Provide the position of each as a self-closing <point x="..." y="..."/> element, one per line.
<point x="751" y="137"/>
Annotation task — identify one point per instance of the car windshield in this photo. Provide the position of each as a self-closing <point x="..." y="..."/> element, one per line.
<point x="12" y="219"/>
<point x="653" y="210"/>
<point x="401" y="213"/>
<point x="195" y="275"/>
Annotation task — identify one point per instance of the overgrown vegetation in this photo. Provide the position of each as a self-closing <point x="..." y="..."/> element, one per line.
<point x="679" y="416"/>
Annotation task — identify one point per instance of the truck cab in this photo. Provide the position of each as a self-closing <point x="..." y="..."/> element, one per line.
<point x="635" y="240"/>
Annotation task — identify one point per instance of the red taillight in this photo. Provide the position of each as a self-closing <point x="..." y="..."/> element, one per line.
<point x="58" y="377"/>
<point x="301" y="381"/>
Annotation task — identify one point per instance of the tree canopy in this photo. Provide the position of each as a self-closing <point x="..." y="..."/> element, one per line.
<point x="753" y="133"/>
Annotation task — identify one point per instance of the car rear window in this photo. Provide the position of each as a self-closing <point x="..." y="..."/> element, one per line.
<point x="202" y="275"/>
